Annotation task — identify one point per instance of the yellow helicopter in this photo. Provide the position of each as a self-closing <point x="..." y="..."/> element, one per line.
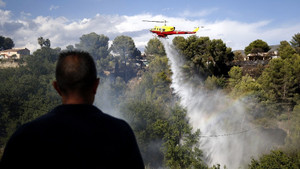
<point x="164" y="31"/>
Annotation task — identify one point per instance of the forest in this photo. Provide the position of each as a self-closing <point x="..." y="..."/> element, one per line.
<point x="137" y="87"/>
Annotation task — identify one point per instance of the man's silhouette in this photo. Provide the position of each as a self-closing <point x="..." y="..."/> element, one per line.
<point x="75" y="134"/>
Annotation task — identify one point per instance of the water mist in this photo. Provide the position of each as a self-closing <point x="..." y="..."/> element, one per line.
<point x="227" y="137"/>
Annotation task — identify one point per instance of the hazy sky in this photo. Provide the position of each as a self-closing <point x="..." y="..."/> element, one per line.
<point x="237" y="23"/>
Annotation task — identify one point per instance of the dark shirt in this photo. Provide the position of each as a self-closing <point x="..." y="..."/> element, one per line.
<point x="73" y="136"/>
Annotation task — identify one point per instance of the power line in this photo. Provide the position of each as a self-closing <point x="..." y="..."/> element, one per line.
<point x="230" y="134"/>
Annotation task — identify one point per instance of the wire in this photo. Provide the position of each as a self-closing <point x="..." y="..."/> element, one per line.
<point x="230" y="134"/>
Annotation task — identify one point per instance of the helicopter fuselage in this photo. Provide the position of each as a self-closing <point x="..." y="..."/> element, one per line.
<point x="164" y="31"/>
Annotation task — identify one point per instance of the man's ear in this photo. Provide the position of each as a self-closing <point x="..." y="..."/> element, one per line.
<point x="95" y="85"/>
<point x="55" y="85"/>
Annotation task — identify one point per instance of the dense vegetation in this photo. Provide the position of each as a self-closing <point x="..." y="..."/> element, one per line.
<point x="143" y="96"/>
<point x="6" y="43"/>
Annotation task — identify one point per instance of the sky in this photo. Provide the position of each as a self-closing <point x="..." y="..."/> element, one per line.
<point x="237" y="23"/>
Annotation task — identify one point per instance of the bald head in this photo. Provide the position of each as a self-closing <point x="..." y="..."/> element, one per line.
<point x="75" y="72"/>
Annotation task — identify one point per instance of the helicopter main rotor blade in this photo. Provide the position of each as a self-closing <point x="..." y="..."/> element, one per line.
<point x="154" y="21"/>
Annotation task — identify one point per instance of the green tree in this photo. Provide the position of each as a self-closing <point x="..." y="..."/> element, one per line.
<point x="148" y="122"/>
<point x="124" y="46"/>
<point x="286" y="50"/>
<point x="26" y="92"/>
<point x="47" y="43"/>
<point x="213" y="82"/>
<point x="204" y="57"/>
<point x="275" y="160"/>
<point x="280" y="83"/>
<point x="296" y="42"/>
<point x="180" y="43"/>
<point x="155" y="82"/>
<point x="238" y="56"/>
<point x="181" y="144"/>
<point x="154" y="47"/>
<point x="292" y="141"/>
<point x="257" y="46"/>
<point x="164" y="136"/>
<point x="246" y="86"/>
<point x="97" y="46"/>
<point x="146" y="106"/>
<point x="250" y="90"/>
<point x="45" y="53"/>
<point x="44" y="42"/>
<point x="6" y="43"/>
<point x="70" y="47"/>
<point x="235" y="76"/>
<point x="221" y="55"/>
<point x="41" y="41"/>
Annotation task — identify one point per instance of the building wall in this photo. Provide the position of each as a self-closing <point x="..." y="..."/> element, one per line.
<point x="18" y="52"/>
<point x="23" y="52"/>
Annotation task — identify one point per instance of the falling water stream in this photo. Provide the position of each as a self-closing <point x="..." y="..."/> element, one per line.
<point x="227" y="137"/>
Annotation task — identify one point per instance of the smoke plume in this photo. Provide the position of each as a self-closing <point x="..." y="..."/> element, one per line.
<point x="106" y="99"/>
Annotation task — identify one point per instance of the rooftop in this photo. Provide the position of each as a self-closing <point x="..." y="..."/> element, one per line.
<point x="13" y="50"/>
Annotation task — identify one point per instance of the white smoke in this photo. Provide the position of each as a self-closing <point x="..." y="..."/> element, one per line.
<point x="105" y="99"/>
<point x="227" y="136"/>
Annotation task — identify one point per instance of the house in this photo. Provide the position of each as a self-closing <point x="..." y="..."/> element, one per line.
<point x="258" y="56"/>
<point x="271" y="54"/>
<point x="15" y="53"/>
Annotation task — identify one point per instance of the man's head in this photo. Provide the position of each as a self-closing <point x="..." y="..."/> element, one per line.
<point x="76" y="77"/>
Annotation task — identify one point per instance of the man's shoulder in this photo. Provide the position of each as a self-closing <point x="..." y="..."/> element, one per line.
<point x="114" y="122"/>
<point x="82" y="113"/>
<point x="80" y="117"/>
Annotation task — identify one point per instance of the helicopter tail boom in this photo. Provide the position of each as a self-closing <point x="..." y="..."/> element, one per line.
<point x="196" y="30"/>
